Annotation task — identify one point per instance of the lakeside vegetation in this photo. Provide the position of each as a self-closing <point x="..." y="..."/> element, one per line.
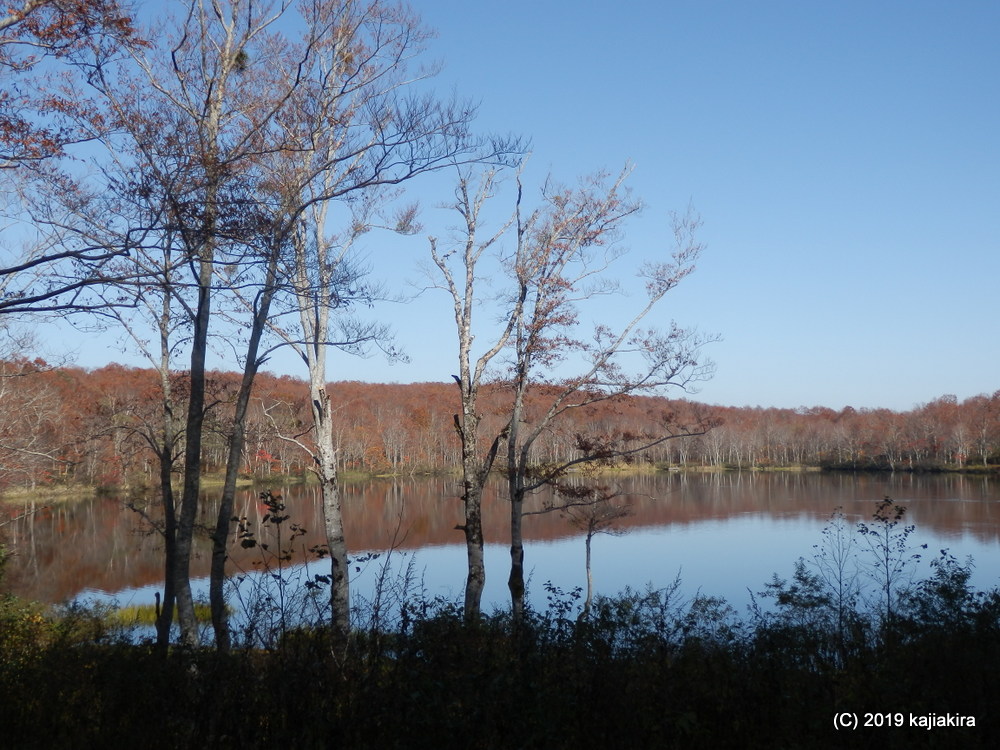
<point x="848" y="632"/>
<point x="91" y="432"/>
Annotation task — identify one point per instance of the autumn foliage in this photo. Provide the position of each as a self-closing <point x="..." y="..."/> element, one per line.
<point x="32" y="31"/>
<point x="69" y="425"/>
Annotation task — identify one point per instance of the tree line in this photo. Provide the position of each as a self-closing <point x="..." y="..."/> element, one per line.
<point x="70" y="426"/>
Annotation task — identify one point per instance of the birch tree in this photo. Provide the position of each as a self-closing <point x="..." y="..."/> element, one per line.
<point x="459" y="268"/>
<point x="592" y="510"/>
<point x="564" y="253"/>
<point x="560" y="261"/>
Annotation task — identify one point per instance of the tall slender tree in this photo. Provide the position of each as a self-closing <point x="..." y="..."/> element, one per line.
<point x="154" y="304"/>
<point x="184" y="123"/>
<point x="459" y="267"/>
<point x="561" y="255"/>
<point x="564" y="251"/>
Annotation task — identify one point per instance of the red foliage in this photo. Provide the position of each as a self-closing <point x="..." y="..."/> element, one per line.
<point x="69" y="424"/>
<point x="31" y="32"/>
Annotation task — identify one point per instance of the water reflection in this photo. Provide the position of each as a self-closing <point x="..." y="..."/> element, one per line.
<point x="724" y="533"/>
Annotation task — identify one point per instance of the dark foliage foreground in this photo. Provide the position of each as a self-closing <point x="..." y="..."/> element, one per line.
<point x="642" y="670"/>
<point x="627" y="678"/>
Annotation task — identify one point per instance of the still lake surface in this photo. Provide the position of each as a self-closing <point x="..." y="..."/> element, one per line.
<point x="724" y="534"/>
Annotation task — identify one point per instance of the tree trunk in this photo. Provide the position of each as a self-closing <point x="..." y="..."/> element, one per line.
<point x="517" y="464"/>
<point x="340" y="599"/>
<point x="333" y="516"/>
<point x="516" y="580"/>
<point x="237" y="440"/>
<point x="192" y="456"/>
<point x="165" y="615"/>
<point x="590" y="577"/>
<point x="220" y="538"/>
<point x="476" y="580"/>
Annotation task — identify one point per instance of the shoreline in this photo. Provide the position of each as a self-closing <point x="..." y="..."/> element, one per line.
<point x="61" y="494"/>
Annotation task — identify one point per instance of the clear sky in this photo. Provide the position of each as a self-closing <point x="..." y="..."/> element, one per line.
<point x="844" y="156"/>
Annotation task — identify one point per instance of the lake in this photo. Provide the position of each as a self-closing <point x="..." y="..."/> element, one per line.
<point x="724" y="534"/>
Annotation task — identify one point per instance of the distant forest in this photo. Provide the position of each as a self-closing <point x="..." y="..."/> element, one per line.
<point x="67" y="425"/>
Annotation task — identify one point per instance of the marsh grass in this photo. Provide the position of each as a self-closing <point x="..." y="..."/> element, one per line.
<point x="144" y="615"/>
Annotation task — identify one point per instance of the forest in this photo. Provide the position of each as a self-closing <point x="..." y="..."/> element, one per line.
<point x="64" y="427"/>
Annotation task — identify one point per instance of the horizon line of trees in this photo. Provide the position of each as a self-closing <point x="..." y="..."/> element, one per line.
<point x="70" y="425"/>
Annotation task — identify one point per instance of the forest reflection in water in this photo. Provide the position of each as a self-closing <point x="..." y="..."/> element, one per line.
<point x="724" y="533"/>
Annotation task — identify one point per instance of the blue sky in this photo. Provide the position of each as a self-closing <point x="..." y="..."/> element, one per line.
<point x="844" y="156"/>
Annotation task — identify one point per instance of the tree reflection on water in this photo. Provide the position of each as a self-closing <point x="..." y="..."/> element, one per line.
<point x="724" y="533"/>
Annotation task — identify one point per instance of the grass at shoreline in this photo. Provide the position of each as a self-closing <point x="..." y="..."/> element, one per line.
<point x="49" y="495"/>
<point x="61" y="494"/>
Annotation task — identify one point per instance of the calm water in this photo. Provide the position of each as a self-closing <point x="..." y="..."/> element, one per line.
<point x="724" y="534"/>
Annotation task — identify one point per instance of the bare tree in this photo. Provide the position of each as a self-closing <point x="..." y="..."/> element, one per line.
<point x="560" y="261"/>
<point x="163" y="429"/>
<point x="564" y="250"/>
<point x="183" y="123"/>
<point x="459" y="269"/>
<point x="203" y="91"/>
